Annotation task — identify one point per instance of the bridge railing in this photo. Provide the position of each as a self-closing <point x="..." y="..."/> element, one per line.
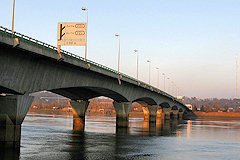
<point x="33" y="41"/>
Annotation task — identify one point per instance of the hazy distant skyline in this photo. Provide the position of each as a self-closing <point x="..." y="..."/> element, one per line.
<point x="195" y="43"/>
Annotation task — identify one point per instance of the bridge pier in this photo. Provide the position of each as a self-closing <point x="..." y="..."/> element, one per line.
<point x="152" y="113"/>
<point x="180" y="113"/>
<point x="175" y="114"/>
<point x="166" y="112"/>
<point x="122" y="113"/>
<point x="79" y="109"/>
<point x="13" y="110"/>
<point x="146" y="112"/>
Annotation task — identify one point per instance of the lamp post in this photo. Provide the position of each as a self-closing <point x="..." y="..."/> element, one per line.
<point x="86" y="9"/>
<point x="164" y="77"/>
<point x="176" y="91"/>
<point x="168" y="85"/>
<point x="172" y="88"/>
<point x="157" y="77"/>
<point x="117" y="35"/>
<point x="149" y="70"/>
<point x="136" y="51"/>
<point x="13" y="15"/>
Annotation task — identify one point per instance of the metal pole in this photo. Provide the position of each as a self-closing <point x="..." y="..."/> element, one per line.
<point x="149" y="71"/>
<point x="158" y="78"/>
<point x="117" y="35"/>
<point x="86" y="37"/>
<point x="136" y="51"/>
<point x="236" y="75"/>
<point x="137" y="65"/>
<point x="169" y="85"/>
<point x="119" y="55"/>
<point x="13" y="15"/>
<point x="164" y="81"/>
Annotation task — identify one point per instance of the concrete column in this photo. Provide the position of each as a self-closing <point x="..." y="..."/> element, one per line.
<point x="152" y="112"/>
<point x="160" y="113"/>
<point x="79" y="110"/>
<point x="180" y="115"/>
<point x="175" y="114"/>
<point x="122" y="113"/>
<point x="167" y="113"/>
<point x="13" y="110"/>
<point x="145" y="111"/>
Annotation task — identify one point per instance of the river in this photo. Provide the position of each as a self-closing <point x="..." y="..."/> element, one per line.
<point x="50" y="137"/>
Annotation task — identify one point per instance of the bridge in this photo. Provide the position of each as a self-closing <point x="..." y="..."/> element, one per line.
<point x="31" y="66"/>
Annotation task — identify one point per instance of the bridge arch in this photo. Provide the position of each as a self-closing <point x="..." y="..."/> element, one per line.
<point x="165" y="105"/>
<point x="86" y="93"/>
<point x="146" y="100"/>
<point x="174" y="107"/>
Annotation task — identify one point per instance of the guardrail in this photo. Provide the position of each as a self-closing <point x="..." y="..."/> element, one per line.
<point x="33" y="41"/>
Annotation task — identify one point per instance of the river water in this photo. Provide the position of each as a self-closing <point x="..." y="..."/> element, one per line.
<point x="50" y="137"/>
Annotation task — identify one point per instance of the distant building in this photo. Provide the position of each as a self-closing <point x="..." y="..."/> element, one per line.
<point x="179" y="97"/>
<point x="189" y="106"/>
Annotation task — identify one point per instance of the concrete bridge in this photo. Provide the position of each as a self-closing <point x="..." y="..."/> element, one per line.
<point x="33" y="66"/>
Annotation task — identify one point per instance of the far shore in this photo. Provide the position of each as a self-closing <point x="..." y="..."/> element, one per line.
<point x="218" y="114"/>
<point x="64" y="112"/>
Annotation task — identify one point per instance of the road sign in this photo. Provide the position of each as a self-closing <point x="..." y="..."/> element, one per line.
<point x="71" y="43"/>
<point x="71" y="31"/>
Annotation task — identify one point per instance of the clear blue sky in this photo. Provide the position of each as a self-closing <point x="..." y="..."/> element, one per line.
<point x="194" y="42"/>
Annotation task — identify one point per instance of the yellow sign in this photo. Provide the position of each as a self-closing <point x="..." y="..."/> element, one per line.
<point x="71" y="43"/>
<point x="71" y="33"/>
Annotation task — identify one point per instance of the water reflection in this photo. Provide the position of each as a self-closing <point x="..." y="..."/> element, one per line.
<point x="124" y="144"/>
<point x="189" y="128"/>
<point x="170" y="139"/>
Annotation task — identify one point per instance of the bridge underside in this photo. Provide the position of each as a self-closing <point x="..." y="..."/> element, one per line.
<point x="7" y="91"/>
<point x="86" y="93"/>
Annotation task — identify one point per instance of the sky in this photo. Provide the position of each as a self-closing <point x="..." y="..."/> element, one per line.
<point x="194" y="42"/>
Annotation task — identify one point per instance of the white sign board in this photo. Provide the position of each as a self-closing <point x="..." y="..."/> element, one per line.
<point x="71" y="43"/>
<point x="68" y="33"/>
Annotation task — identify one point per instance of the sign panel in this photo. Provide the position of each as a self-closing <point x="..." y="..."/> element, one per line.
<point x="70" y="31"/>
<point x="71" y="43"/>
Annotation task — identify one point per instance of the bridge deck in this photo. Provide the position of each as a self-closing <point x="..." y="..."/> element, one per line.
<point x="53" y="49"/>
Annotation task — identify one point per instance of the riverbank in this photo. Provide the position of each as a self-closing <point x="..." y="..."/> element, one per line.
<point x="218" y="114"/>
<point x="64" y="112"/>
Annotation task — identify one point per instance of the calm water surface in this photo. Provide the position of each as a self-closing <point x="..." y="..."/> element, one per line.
<point x="51" y="137"/>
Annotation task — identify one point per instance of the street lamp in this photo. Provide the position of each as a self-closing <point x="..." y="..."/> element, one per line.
<point x="164" y="81"/>
<point x="168" y="85"/>
<point x="157" y="77"/>
<point x="149" y="69"/>
<point x="136" y="51"/>
<point x="117" y="35"/>
<point x="85" y="9"/>
<point x="13" y="16"/>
